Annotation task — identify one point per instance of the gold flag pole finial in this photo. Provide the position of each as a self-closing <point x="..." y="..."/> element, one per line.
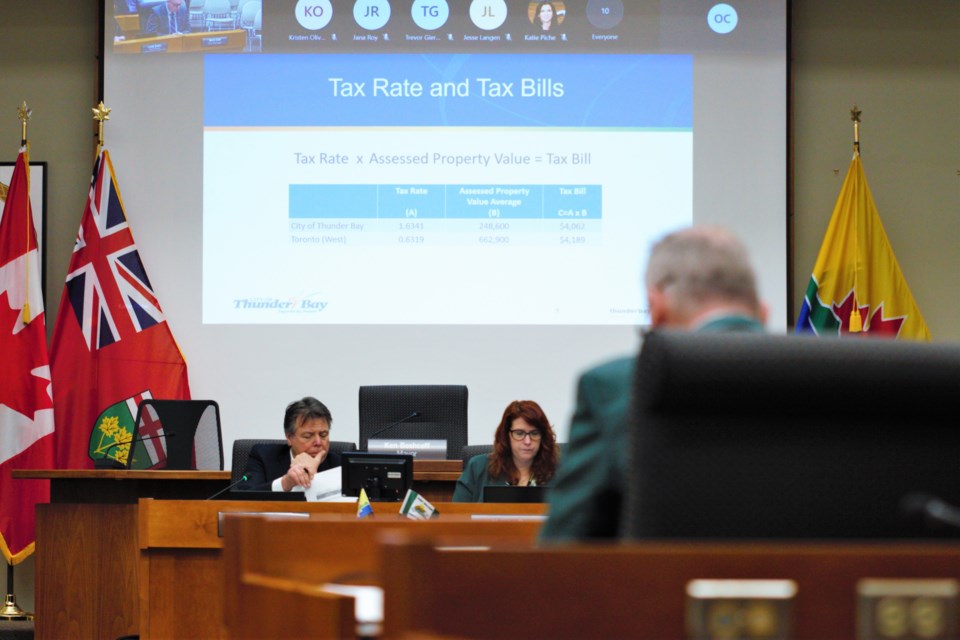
<point x="855" y="116"/>
<point x="856" y="321"/>
<point x="101" y="113"/>
<point x="23" y="113"/>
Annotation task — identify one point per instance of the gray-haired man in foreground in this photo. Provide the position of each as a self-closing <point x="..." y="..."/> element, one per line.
<point x="698" y="279"/>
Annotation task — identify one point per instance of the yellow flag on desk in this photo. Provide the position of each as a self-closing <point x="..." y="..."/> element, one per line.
<point x="363" y="505"/>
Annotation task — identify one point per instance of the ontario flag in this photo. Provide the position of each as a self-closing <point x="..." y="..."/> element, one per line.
<point x="112" y="345"/>
<point x="857" y="285"/>
<point x="26" y="400"/>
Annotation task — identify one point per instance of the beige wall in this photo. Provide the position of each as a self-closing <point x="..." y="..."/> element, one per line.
<point x="899" y="60"/>
<point x="48" y="57"/>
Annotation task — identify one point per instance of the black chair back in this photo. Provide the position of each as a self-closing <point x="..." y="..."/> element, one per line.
<point x="472" y="450"/>
<point x="441" y="409"/>
<point x="760" y="436"/>
<point x="177" y="434"/>
<point x="241" y="453"/>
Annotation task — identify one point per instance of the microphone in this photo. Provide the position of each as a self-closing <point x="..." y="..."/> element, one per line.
<point x="110" y="463"/>
<point x="393" y="424"/>
<point x="935" y="512"/>
<point x="228" y="487"/>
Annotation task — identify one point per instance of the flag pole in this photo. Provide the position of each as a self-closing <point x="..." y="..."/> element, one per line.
<point x="101" y="113"/>
<point x="856" y="322"/>
<point x="855" y="116"/>
<point x="23" y="113"/>
<point x="10" y="610"/>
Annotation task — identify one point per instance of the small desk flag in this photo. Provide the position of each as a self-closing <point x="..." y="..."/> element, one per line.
<point x="416" y="507"/>
<point x="363" y="505"/>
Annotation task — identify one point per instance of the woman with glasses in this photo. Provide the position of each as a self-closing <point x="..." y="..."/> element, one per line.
<point x="524" y="453"/>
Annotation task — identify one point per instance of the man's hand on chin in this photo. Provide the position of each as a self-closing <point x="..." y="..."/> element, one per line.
<point x="302" y="470"/>
<point x="312" y="463"/>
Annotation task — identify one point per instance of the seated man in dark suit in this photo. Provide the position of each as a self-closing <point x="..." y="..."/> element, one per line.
<point x="168" y="18"/>
<point x="698" y="279"/>
<point x="306" y="425"/>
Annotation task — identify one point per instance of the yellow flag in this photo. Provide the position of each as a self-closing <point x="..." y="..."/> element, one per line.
<point x="363" y="505"/>
<point x="857" y="285"/>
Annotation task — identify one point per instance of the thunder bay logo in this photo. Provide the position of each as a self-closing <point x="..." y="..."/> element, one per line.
<point x="298" y="304"/>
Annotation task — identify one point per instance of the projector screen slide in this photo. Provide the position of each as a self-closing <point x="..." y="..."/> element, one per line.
<point x="534" y="173"/>
<point x="334" y="193"/>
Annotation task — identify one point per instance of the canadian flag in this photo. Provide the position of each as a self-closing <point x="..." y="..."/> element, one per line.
<point x="26" y="396"/>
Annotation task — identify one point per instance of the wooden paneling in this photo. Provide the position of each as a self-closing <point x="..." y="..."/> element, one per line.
<point x="184" y="594"/>
<point x="332" y="548"/>
<point x="193" y="523"/>
<point x="86" y="571"/>
<point x="184" y="534"/>
<point x="635" y="591"/>
<point x="330" y="615"/>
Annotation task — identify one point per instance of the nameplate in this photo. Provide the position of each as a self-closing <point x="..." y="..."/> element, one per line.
<point x="154" y="47"/>
<point x="418" y="448"/>
<point x="217" y="41"/>
<point x="908" y="608"/>
<point x="740" y="608"/>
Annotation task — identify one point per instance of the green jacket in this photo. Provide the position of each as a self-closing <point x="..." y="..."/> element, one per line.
<point x="585" y="498"/>
<point x="587" y="489"/>
<point x="473" y="479"/>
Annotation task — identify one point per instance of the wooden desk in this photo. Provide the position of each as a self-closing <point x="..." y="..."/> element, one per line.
<point x="90" y="579"/>
<point x="87" y="576"/>
<point x="261" y="551"/>
<point x="118" y="486"/>
<point x="433" y="479"/>
<point x="207" y="41"/>
<point x="180" y="545"/>
<point x="630" y="590"/>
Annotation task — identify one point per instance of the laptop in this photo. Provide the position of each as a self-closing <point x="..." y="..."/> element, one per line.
<point x="506" y="493"/>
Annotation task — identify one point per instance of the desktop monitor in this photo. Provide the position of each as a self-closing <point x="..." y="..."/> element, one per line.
<point x="385" y="477"/>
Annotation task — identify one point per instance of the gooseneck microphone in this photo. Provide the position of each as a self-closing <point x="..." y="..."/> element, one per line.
<point x="934" y="512"/>
<point x="393" y="424"/>
<point x="228" y="487"/>
<point x="111" y="463"/>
